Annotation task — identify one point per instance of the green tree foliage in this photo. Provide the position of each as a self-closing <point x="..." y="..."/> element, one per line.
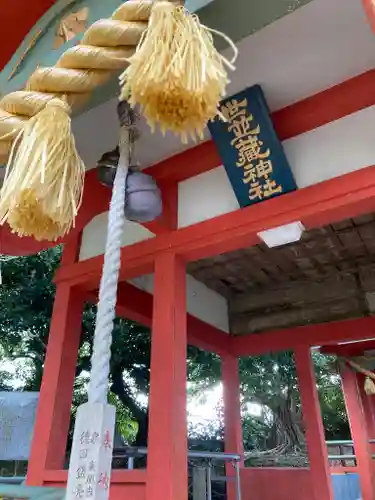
<point x="26" y="302"/>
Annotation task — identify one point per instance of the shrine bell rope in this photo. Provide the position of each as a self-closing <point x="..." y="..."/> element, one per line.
<point x="98" y="387"/>
<point x="171" y="69"/>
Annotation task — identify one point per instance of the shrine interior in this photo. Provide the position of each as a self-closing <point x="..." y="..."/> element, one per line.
<point x="328" y="275"/>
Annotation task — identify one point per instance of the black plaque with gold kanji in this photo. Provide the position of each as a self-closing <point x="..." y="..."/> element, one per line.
<point x="252" y="154"/>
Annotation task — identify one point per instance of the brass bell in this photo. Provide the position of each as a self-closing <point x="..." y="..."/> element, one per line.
<point x="143" y="202"/>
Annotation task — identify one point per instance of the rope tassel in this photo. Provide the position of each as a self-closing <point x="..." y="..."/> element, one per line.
<point x="176" y="75"/>
<point x="43" y="184"/>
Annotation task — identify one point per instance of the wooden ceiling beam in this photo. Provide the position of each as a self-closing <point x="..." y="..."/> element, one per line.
<point x="320" y="312"/>
<point x="299" y="294"/>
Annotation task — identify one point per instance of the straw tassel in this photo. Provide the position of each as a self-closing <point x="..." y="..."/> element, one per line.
<point x="176" y="75"/>
<point x="44" y="179"/>
<point x="43" y="185"/>
<point x="369" y="385"/>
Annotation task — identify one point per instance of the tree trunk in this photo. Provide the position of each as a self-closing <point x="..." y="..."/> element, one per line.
<point x="141" y="416"/>
<point x="287" y="429"/>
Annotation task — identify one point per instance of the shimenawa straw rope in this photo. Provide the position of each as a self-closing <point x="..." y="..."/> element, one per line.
<point x="176" y="75"/>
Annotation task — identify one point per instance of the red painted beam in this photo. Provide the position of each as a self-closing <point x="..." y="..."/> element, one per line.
<point x="132" y="303"/>
<point x="189" y="163"/>
<point x="329" y="201"/>
<point x="137" y="305"/>
<point x="348" y="350"/>
<point x="207" y="337"/>
<point x="303" y="336"/>
<point x="11" y="244"/>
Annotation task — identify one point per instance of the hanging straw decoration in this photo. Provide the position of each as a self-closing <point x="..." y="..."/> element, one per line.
<point x="44" y="178"/>
<point x="369" y="386"/>
<point x="43" y="184"/>
<point x="176" y="75"/>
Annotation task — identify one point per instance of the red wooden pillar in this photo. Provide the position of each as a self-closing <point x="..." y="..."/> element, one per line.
<point x="167" y="438"/>
<point x="53" y="414"/>
<point x="232" y="416"/>
<point x="359" y="431"/>
<point x="318" y="456"/>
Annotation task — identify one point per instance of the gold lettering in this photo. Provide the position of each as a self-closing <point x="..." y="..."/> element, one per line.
<point x="251" y="156"/>
<point x="270" y="188"/>
<point x="264" y="168"/>
<point x="256" y="191"/>
<point x="232" y="109"/>
<point x="250" y="174"/>
<point x="242" y="129"/>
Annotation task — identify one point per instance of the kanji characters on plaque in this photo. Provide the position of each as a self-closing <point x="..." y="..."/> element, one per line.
<point x="252" y="156"/>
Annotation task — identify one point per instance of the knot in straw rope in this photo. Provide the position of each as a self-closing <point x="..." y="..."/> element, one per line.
<point x="104" y="49"/>
<point x="59" y="104"/>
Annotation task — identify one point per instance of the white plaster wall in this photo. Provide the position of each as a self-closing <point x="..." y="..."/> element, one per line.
<point x="322" y="43"/>
<point x="204" y="197"/>
<point x="329" y="151"/>
<point x="334" y="149"/>
<point x="201" y="301"/>
<point x="95" y="233"/>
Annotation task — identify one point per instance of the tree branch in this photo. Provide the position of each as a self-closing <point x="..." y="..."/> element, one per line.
<point x="120" y="389"/>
